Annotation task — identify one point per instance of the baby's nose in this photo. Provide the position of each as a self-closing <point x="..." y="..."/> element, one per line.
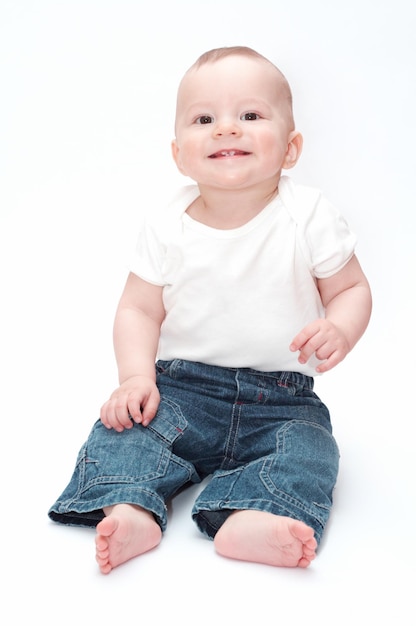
<point x="227" y="127"/>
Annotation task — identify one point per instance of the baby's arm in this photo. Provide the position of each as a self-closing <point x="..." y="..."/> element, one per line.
<point x="346" y="297"/>
<point x="136" y="336"/>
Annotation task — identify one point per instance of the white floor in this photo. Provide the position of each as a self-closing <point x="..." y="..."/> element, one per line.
<point x="88" y="93"/>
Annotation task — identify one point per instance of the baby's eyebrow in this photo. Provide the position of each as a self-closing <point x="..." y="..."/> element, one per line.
<point x="204" y="106"/>
<point x="198" y="107"/>
<point x="247" y="102"/>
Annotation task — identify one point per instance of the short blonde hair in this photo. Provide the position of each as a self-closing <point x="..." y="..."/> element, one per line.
<point x="216" y="54"/>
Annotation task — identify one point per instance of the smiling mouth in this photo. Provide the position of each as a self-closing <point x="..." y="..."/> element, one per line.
<point x="227" y="153"/>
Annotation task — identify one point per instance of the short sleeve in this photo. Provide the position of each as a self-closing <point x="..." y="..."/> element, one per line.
<point x="159" y="231"/>
<point x="328" y="239"/>
<point x="148" y="256"/>
<point x="325" y="239"/>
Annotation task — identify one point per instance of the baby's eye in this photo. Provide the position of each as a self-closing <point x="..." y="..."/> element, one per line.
<point x="250" y="116"/>
<point x="204" y="119"/>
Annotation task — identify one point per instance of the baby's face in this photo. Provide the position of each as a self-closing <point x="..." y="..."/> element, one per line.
<point x="233" y="124"/>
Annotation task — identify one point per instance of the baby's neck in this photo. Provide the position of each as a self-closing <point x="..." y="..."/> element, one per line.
<point x="226" y="210"/>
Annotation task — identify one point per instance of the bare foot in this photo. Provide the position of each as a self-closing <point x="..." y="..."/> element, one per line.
<point x="262" y="537"/>
<point x="124" y="533"/>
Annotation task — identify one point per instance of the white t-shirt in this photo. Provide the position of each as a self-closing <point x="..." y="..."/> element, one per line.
<point x="237" y="298"/>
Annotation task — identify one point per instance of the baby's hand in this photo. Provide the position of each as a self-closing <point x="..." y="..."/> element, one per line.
<point x="136" y="400"/>
<point x="323" y="339"/>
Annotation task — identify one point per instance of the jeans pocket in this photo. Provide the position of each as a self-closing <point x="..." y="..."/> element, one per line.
<point x="305" y="467"/>
<point x="169" y="423"/>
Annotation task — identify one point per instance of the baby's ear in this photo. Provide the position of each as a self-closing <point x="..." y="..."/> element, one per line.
<point x="294" y="149"/>
<point x="176" y="157"/>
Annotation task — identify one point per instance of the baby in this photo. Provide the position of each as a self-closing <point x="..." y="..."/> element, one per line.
<point x="241" y="290"/>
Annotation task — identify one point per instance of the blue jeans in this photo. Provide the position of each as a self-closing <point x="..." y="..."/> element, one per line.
<point x="264" y="438"/>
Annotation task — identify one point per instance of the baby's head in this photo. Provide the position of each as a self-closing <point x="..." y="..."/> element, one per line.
<point x="237" y="96"/>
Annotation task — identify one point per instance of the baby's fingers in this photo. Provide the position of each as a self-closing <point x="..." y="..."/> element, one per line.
<point x="324" y="340"/>
<point x="115" y="414"/>
<point x="134" y="406"/>
<point x="150" y="407"/>
<point x="329" y="363"/>
<point x="306" y="342"/>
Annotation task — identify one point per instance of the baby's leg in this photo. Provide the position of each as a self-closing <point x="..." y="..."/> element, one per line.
<point x="126" y="531"/>
<point x="265" y="538"/>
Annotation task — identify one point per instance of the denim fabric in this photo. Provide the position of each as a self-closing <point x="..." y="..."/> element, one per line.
<point x="264" y="438"/>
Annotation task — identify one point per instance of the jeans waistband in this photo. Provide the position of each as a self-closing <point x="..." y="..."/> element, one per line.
<point x="180" y="367"/>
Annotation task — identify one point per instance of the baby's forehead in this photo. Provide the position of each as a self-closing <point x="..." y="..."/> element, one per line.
<point x="233" y="64"/>
<point x="232" y="70"/>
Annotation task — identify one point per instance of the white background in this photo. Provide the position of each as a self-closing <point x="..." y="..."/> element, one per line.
<point x="86" y="117"/>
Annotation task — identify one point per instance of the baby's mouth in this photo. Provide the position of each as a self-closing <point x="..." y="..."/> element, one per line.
<point x="227" y="153"/>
